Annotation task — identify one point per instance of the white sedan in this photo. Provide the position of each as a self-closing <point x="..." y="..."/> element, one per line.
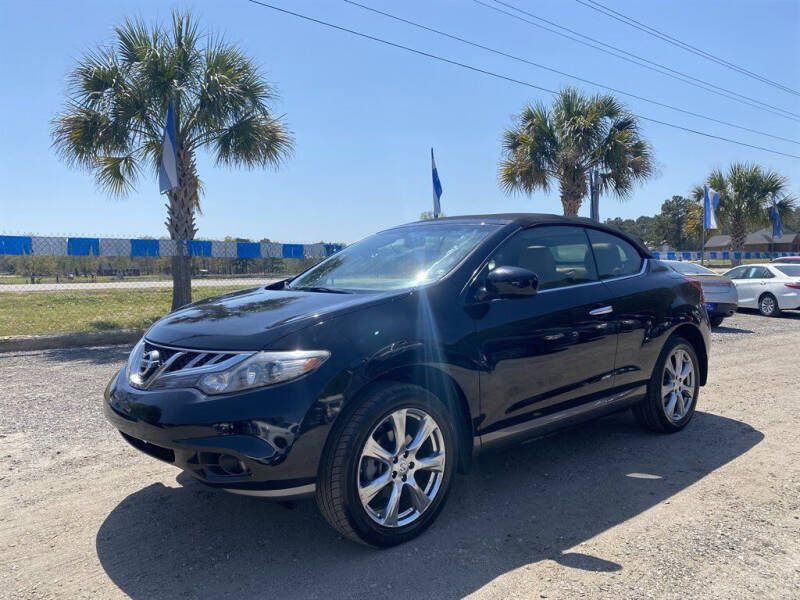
<point x="770" y="288"/>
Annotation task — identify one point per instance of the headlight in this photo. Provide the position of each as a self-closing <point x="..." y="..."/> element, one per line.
<point x="262" y="369"/>
<point x="132" y="371"/>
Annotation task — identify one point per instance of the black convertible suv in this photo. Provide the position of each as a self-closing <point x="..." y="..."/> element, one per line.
<point x="372" y="377"/>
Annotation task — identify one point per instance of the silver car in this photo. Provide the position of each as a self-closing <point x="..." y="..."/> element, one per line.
<point x="722" y="298"/>
<point x="770" y="288"/>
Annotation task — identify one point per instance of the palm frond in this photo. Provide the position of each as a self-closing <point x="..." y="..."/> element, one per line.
<point x="254" y="140"/>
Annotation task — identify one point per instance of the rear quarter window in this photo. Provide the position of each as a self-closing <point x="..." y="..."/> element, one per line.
<point x="614" y="256"/>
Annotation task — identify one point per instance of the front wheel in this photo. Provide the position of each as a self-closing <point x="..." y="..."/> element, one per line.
<point x="388" y="467"/>
<point x="673" y="389"/>
<point x="768" y="305"/>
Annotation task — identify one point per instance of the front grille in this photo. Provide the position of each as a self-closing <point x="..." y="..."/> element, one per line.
<point x="185" y="358"/>
<point x="154" y="363"/>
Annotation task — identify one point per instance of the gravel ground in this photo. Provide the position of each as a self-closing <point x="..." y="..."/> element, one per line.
<point x="599" y="511"/>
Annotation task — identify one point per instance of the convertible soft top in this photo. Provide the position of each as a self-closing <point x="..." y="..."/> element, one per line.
<point x="529" y="219"/>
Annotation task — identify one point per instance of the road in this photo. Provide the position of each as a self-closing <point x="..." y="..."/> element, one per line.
<point x="127" y="285"/>
<point x="603" y="510"/>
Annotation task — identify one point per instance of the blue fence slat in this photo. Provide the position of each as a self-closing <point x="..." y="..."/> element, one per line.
<point x="15" y="244"/>
<point x="248" y="249"/>
<point x="293" y="251"/>
<point x="144" y="248"/>
<point x="198" y="248"/>
<point x="331" y="249"/>
<point x="83" y="246"/>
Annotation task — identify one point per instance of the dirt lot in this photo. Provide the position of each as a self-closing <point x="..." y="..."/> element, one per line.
<point x="602" y="510"/>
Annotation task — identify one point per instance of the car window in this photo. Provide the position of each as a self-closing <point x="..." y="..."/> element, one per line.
<point x="559" y="255"/>
<point x="760" y="273"/>
<point x="790" y="270"/>
<point x="397" y="258"/>
<point x="738" y="273"/>
<point x="614" y="256"/>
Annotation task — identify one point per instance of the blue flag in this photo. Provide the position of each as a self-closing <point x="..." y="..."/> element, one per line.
<point x="437" y="189"/>
<point x="777" y="225"/>
<point x="710" y="203"/>
<point x="168" y="169"/>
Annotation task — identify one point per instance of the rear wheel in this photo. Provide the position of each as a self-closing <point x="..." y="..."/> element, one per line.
<point x="388" y="467"/>
<point x="716" y="320"/>
<point x="768" y="305"/>
<point x="673" y="389"/>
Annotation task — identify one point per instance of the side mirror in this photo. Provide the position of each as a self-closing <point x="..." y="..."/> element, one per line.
<point x="509" y="282"/>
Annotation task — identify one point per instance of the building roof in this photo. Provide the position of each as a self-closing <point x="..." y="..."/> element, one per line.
<point x="757" y="238"/>
<point x="764" y="236"/>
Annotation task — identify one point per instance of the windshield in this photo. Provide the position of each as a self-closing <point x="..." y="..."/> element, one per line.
<point x="688" y="268"/>
<point x="397" y="258"/>
<point x="790" y="270"/>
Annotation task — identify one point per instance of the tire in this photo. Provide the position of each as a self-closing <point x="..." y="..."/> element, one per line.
<point x="768" y="305"/>
<point x="716" y="320"/>
<point x="345" y="471"/>
<point x="653" y="412"/>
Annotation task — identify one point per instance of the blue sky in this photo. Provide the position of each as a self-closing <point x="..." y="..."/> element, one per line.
<point x="364" y="116"/>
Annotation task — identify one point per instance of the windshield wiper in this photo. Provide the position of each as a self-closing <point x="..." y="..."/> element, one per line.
<point x="326" y="290"/>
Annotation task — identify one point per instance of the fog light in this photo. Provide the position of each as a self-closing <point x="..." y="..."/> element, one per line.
<point x="231" y="465"/>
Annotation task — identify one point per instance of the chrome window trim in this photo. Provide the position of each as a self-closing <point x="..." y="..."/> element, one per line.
<point x="620" y="278"/>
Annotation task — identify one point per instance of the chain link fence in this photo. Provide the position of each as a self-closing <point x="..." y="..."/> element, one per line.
<point x="53" y="285"/>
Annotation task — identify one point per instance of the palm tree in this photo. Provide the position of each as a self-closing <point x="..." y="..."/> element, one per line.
<point x="579" y="134"/>
<point x="113" y="121"/>
<point x="746" y="196"/>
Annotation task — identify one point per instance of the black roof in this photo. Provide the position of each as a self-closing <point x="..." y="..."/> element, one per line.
<point x="529" y="219"/>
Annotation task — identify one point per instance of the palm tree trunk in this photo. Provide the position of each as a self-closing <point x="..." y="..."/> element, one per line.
<point x="572" y="194"/>
<point x="738" y="236"/>
<point x="181" y="227"/>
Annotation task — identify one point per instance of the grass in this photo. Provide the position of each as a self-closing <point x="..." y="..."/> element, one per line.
<point x="43" y="313"/>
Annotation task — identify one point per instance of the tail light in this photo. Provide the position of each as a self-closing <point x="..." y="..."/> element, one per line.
<point x="696" y="284"/>
<point x="794" y="286"/>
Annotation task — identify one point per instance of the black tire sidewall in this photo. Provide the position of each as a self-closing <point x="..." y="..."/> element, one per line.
<point x="654" y="395"/>
<point x="394" y="398"/>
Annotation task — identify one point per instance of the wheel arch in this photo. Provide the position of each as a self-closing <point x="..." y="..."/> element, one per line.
<point x="445" y="388"/>
<point x="692" y="334"/>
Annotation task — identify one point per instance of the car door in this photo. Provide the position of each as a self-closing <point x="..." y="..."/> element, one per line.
<point x="759" y="281"/>
<point x="549" y="352"/>
<point x="744" y="289"/>
<point x="638" y="300"/>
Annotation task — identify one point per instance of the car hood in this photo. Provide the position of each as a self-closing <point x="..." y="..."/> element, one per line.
<point x="252" y="319"/>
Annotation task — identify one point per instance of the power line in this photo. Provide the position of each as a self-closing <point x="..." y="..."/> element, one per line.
<point x="495" y="75"/>
<point x="651" y="65"/>
<point x="565" y="74"/>
<point x="610" y="12"/>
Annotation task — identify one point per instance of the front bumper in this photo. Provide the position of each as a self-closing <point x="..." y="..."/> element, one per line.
<point x="265" y="442"/>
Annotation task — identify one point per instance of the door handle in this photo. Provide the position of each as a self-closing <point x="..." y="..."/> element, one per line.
<point x="602" y="310"/>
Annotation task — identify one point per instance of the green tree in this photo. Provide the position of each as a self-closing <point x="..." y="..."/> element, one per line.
<point x="746" y="196"/>
<point x="564" y="143"/>
<point x="113" y="121"/>
<point x="642" y="227"/>
<point x="670" y="225"/>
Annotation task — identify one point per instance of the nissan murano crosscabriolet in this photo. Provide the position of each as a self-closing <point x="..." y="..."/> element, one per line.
<point x="371" y="378"/>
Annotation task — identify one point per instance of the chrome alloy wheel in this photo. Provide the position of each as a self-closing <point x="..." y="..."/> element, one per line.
<point x="401" y="467"/>
<point x="678" y="384"/>
<point x="767" y="305"/>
